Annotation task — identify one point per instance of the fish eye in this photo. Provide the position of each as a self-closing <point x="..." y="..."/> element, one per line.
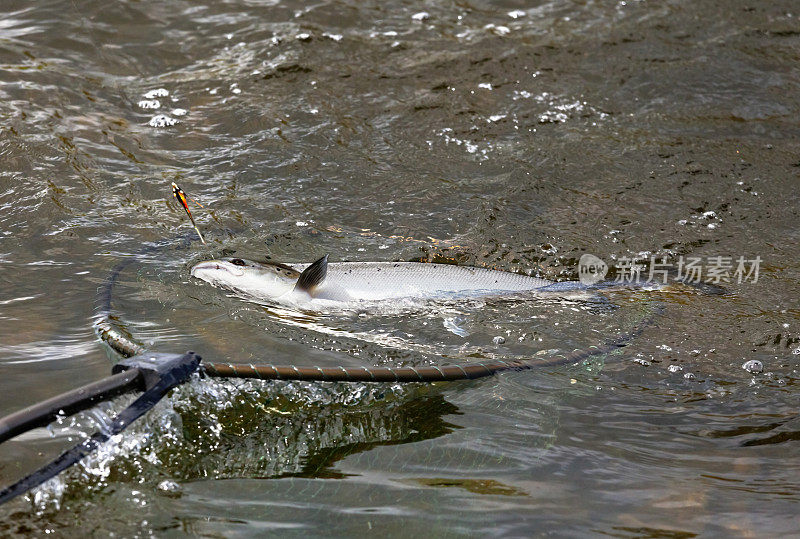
<point x="238" y="262"/>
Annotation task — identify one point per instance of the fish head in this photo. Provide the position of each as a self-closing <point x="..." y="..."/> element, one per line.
<point x="264" y="280"/>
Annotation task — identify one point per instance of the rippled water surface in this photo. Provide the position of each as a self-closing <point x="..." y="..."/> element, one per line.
<point x="511" y="135"/>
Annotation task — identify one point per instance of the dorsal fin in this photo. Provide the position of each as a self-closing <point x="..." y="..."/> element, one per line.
<point x="313" y="275"/>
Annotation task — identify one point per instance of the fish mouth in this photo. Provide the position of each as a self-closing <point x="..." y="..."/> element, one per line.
<point x="216" y="265"/>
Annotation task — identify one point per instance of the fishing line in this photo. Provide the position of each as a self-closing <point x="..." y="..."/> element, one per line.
<point x="106" y="326"/>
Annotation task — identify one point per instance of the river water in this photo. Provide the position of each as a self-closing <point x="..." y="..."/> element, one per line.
<point x="504" y="134"/>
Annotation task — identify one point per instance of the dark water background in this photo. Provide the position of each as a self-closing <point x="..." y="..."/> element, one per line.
<point x="505" y="134"/>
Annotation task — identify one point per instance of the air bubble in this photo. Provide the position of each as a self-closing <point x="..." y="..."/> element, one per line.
<point x="498" y="30"/>
<point x="162" y="120"/>
<point x="158" y="92"/>
<point x="753" y="366"/>
<point x="169" y="487"/>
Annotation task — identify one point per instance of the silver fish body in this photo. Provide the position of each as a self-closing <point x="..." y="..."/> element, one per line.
<point x="349" y="282"/>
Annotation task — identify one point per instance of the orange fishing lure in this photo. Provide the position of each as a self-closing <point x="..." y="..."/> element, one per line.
<point x="181" y="196"/>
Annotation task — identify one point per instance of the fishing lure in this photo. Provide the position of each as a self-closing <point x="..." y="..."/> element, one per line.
<point x="181" y="197"/>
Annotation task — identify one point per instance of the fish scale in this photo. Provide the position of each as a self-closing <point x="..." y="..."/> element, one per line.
<point x="384" y="280"/>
